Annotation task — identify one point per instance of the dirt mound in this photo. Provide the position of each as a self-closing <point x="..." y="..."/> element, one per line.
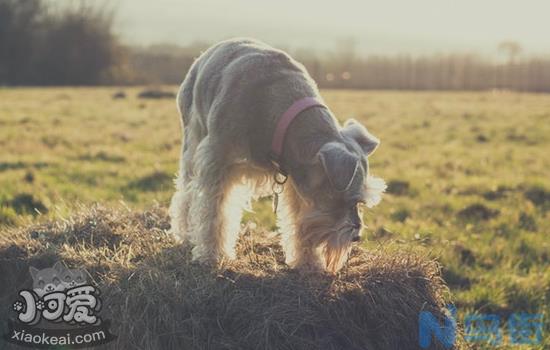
<point x="157" y="299"/>
<point x="156" y="94"/>
<point x="477" y="212"/>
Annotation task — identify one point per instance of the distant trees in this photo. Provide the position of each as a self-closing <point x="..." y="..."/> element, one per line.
<point x="160" y="64"/>
<point x="346" y="68"/>
<point x="76" y="47"/>
<point x="20" y="22"/>
<point x="40" y="45"/>
<point x="439" y="72"/>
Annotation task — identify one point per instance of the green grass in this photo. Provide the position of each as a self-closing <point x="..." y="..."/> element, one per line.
<point x="469" y="176"/>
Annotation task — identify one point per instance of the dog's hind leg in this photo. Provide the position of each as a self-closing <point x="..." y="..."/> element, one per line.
<point x="213" y="222"/>
<point x="193" y="131"/>
<point x="182" y="198"/>
<point x="179" y="208"/>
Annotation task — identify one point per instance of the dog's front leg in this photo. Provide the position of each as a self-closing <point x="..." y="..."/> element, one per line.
<point x="299" y="251"/>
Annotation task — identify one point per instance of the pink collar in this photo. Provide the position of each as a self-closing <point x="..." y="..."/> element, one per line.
<point x="282" y="126"/>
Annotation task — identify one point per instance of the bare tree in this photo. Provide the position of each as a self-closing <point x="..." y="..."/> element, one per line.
<point x="511" y="48"/>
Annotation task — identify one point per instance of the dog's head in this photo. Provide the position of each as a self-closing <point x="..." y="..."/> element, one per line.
<point x="48" y="280"/>
<point x="334" y="185"/>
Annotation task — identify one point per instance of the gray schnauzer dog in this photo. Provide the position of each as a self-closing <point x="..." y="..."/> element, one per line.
<point x="232" y="102"/>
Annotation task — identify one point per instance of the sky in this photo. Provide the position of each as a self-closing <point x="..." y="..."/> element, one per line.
<point x="376" y="27"/>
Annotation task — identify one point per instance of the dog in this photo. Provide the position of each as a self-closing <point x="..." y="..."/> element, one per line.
<point x="233" y="102"/>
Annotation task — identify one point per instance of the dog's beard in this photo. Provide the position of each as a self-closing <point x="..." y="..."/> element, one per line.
<point x="337" y="248"/>
<point x="333" y="240"/>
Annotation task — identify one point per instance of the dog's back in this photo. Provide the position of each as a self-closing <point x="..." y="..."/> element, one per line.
<point x="241" y="82"/>
<point x="232" y="59"/>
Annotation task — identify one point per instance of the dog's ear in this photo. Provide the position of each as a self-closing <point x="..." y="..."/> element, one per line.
<point x="357" y="132"/>
<point x="34" y="271"/>
<point x="59" y="267"/>
<point x="339" y="164"/>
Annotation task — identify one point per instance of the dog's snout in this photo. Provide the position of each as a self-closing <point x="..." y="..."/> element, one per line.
<point x="356" y="238"/>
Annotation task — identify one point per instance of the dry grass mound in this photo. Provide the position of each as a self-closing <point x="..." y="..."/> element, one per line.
<point x="157" y="299"/>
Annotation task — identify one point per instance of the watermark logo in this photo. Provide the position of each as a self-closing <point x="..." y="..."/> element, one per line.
<point x="428" y="325"/>
<point x="61" y="309"/>
<point x="523" y="328"/>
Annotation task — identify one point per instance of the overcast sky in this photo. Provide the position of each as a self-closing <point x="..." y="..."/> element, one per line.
<point x="382" y="26"/>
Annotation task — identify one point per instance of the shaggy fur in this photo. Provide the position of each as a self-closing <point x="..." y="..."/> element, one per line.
<point x="230" y="102"/>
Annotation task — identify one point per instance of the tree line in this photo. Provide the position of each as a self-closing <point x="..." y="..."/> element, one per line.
<point x="41" y="45"/>
<point x="76" y="46"/>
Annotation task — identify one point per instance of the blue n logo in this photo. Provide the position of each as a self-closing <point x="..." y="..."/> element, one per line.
<point x="428" y="325"/>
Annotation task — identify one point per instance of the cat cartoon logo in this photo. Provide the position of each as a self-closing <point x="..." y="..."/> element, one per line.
<point x="59" y="295"/>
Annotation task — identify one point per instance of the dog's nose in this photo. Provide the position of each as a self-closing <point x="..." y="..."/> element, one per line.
<point x="356" y="238"/>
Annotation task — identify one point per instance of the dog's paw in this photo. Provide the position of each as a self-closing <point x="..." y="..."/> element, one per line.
<point x="176" y="235"/>
<point x="200" y="257"/>
<point x="17" y="306"/>
<point x="40" y="305"/>
<point x="229" y="255"/>
<point x="309" y="267"/>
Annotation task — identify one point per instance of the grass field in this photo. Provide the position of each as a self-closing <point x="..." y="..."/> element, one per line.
<point x="468" y="175"/>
